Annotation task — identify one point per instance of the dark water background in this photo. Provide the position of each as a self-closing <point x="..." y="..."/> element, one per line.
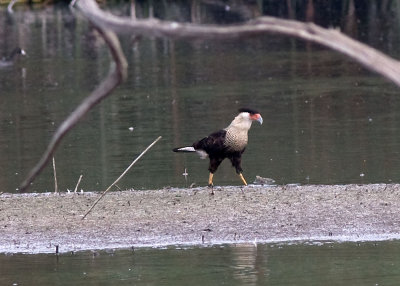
<point x="326" y="121"/>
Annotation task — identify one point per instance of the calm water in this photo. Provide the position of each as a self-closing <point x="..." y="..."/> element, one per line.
<point x="327" y="264"/>
<point x="326" y="120"/>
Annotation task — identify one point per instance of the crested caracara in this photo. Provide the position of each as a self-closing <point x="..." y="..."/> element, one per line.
<point x="226" y="143"/>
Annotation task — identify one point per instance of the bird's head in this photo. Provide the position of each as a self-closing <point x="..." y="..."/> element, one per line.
<point x="250" y="114"/>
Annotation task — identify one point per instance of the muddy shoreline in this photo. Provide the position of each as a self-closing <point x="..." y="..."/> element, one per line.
<point x="37" y="223"/>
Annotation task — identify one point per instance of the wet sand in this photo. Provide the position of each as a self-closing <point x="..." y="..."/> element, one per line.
<point x="37" y="223"/>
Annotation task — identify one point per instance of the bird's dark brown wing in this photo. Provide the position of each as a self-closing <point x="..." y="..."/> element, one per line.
<point x="212" y="144"/>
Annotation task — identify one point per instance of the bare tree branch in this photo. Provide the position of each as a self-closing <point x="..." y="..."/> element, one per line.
<point x="334" y="39"/>
<point x="118" y="73"/>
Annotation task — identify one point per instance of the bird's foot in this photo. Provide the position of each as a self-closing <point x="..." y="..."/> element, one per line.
<point x="212" y="188"/>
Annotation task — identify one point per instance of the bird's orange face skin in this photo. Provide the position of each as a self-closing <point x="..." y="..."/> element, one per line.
<point x="256" y="117"/>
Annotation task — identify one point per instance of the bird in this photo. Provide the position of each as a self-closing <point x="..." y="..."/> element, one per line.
<point x="229" y="142"/>
<point x="9" y="60"/>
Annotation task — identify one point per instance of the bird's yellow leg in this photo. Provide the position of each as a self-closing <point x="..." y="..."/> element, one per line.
<point x="242" y="178"/>
<point x="210" y="180"/>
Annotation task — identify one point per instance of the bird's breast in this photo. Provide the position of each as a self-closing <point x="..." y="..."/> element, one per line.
<point x="236" y="140"/>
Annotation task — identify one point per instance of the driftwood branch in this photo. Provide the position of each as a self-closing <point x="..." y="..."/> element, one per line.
<point x="118" y="73"/>
<point x="370" y="58"/>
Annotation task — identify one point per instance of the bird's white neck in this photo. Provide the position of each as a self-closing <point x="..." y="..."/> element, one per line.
<point x="240" y="123"/>
<point x="236" y="133"/>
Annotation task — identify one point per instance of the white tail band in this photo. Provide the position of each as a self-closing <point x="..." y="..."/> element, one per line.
<point x="187" y="149"/>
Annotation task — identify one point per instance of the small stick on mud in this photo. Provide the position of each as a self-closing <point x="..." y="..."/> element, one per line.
<point x="120" y="177"/>
<point x="55" y="176"/>
<point x="77" y="184"/>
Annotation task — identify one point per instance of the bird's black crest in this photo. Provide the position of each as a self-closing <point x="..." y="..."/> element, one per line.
<point x="249" y="110"/>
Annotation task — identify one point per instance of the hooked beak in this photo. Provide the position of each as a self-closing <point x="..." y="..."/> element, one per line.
<point x="257" y="117"/>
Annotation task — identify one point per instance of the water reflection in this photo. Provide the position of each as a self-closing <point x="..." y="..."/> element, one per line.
<point x="367" y="263"/>
<point x="327" y="120"/>
<point x="246" y="263"/>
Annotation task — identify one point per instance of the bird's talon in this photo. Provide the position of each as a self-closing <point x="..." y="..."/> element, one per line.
<point x="212" y="189"/>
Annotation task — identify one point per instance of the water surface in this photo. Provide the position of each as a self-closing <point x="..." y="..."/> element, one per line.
<point x="271" y="264"/>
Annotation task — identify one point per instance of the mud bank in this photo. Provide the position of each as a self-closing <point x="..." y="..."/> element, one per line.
<point x="37" y="223"/>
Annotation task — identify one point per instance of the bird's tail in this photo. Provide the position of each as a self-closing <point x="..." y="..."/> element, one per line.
<point x="184" y="149"/>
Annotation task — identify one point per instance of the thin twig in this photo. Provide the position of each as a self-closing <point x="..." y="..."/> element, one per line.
<point x="55" y="176"/>
<point x="77" y="184"/>
<point x="121" y="176"/>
